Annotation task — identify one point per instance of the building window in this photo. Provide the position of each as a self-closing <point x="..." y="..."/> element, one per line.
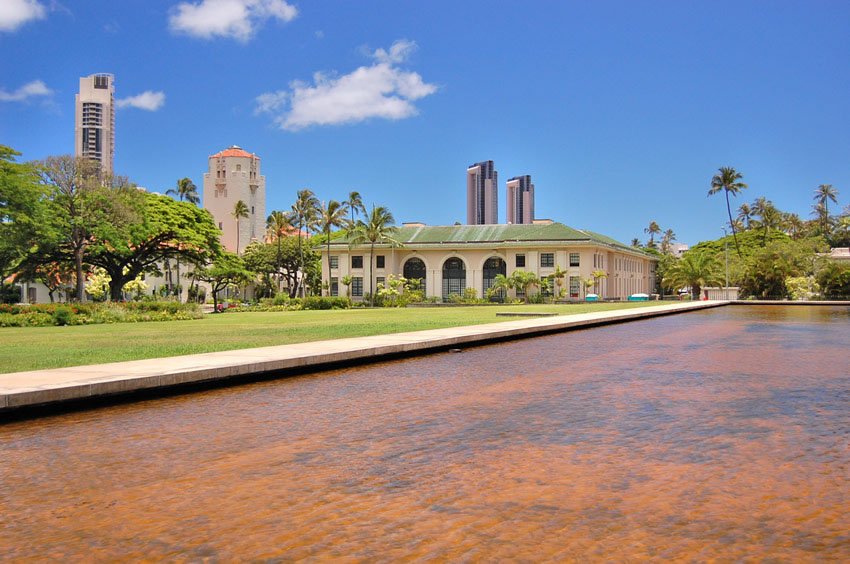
<point x="252" y="210"/>
<point x="547" y="260"/>
<point x="380" y="261"/>
<point x="520" y="261"/>
<point x="239" y="168"/>
<point x="575" y="286"/>
<point x="574" y="259"/>
<point x="357" y="262"/>
<point x="219" y="225"/>
<point x="380" y="280"/>
<point x="334" y="262"/>
<point x="334" y="286"/>
<point x="357" y="286"/>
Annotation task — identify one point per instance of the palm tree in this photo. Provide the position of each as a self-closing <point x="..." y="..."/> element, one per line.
<point x="558" y="277"/>
<point x="652" y="230"/>
<point x="304" y="217"/>
<point x="240" y="211"/>
<point x="330" y="216"/>
<point x="729" y="181"/>
<point x="501" y="285"/>
<point x="635" y="242"/>
<point x="745" y="214"/>
<point x="695" y="270"/>
<point x="354" y="203"/>
<point x="823" y="194"/>
<point x="522" y="280"/>
<point x="377" y="229"/>
<point x="185" y="190"/>
<point x="667" y="240"/>
<point x="598" y="276"/>
<point x="278" y="224"/>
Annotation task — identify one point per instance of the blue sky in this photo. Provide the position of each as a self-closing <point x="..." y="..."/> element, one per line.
<point x="620" y="111"/>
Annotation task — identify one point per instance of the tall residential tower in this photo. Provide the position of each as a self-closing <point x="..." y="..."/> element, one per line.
<point x="520" y="192"/>
<point x="234" y="174"/>
<point x="94" y="121"/>
<point x="482" y="196"/>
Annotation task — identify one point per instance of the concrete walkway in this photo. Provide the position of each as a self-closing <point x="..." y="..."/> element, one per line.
<point x="45" y="387"/>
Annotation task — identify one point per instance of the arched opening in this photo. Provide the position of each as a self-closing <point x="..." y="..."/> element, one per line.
<point x="454" y="278"/>
<point x="492" y="268"/>
<point x="414" y="269"/>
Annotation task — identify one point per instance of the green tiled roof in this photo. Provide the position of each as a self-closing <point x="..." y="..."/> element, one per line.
<point x="498" y="233"/>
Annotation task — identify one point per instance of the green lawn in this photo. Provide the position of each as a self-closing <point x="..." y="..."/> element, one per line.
<point x="33" y="348"/>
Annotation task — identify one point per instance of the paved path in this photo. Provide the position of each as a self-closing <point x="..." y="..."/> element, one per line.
<point x="40" y="387"/>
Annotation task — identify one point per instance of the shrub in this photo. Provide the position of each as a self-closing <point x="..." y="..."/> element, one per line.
<point x="62" y="316"/>
<point x="325" y="302"/>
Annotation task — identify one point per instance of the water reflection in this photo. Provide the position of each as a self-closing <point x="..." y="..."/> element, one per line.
<point x="719" y="434"/>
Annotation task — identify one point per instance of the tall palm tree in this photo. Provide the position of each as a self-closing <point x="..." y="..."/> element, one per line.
<point x="695" y="270"/>
<point x="185" y="190"/>
<point x="823" y="194"/>
<point x="355" y="206"/>
<point x="635" y="242"/>
<point x="377" y="229"/>
<point x="278" y="225"/>
<point x="598" y="276"/>
<point x="667" y="240"/>
<point x="330" y="216"/>
<point x="240" y="211"/>
<point x="304" y="214"/>
<point x="653" y="229"/>
<point x="728" y="180"/>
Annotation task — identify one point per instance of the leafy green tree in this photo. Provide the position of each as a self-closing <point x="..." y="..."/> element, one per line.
<point x="834" y="280"/>
<point x="282" y="260"/>
<point x="378" y="229"/>
<point x="185" y="191"/>
<point x="83" y="207"/>
<point x="330" y="216"/>
<point x="23" y="213"/>
<point x="164" y="230"/>
<point x="278" y="226"/>
<point x="728" y="180"/>
<point x="240" y="211"/>
<point x="227" y="271"/>
<point x="768" y="267"/>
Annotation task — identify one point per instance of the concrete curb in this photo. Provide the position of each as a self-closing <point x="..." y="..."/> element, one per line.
<point x="55" y="386"/>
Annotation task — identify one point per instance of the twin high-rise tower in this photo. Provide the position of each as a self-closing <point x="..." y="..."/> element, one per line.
<point x="482" y="196"/>
<point x="94" y="120"/>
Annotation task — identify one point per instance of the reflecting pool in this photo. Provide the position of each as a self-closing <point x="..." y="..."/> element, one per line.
<point x="719" y="434"/>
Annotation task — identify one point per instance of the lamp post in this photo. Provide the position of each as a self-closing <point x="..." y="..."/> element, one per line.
<point x="726" y="253"/>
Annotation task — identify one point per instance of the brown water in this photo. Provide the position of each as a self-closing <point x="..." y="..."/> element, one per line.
<point x="722" y="434"/>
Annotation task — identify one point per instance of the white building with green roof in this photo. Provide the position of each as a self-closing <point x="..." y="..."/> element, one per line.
<point x="449" y="259"/>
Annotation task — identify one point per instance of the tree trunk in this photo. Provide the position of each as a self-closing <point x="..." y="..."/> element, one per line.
<point x="78" y="268"/>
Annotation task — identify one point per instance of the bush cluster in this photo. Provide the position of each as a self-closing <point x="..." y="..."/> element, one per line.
<point x="42" y="315"/>
<point x="280" y="303"/>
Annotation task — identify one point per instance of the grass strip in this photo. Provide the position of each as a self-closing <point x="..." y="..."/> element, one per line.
<point x="35" y="348"/>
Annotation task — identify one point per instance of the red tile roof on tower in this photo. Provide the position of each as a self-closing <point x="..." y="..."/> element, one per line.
<point x="234" y="151"/>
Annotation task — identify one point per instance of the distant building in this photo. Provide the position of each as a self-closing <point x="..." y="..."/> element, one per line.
<point x="482" y="194"/>
<point x="520" y="196"/>
<point x="94" y="120"/>
<point x="678" y="249"/>
<point x="449" y="259"/>
<point x="234" y="174"/>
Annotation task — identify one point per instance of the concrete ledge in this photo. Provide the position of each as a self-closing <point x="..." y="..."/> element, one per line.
<point x="55" y="386"/>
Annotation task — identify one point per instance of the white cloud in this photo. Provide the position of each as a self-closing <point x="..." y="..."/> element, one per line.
<point x="15" y="13"/>
<point x="28" y="90"/>
<point x="382" y="90"/>
<point x="238" y="19"/>
<point x="148" y="100"/>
